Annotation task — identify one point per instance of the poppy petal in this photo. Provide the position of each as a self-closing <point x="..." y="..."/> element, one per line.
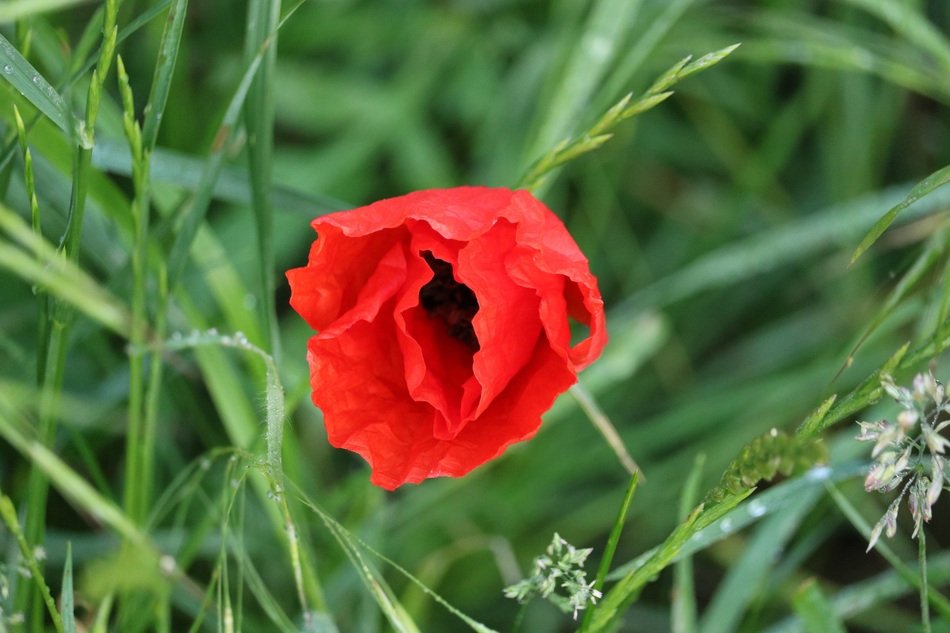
<point x="444" y="322"/>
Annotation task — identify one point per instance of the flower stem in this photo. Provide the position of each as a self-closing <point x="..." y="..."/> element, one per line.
<point x="924" y="588"/>
<point x="519" y="618"/>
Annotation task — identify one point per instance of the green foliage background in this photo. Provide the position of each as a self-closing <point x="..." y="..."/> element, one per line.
<point x="720" y="223"/>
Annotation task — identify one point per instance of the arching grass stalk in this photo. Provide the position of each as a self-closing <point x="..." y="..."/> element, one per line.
<point x="353" y="546"/>
<point x="60" y="314"/>
<point x="306" y="581"/>
<point x="540" y="171"/>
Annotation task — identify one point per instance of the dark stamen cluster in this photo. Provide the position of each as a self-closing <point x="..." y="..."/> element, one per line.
<point x="454" y="303"/>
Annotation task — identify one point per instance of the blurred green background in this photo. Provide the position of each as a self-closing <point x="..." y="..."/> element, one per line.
<point x="720" y="225"/>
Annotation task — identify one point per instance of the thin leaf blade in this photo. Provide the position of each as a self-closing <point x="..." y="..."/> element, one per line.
<point x="33" y="86"/>
<point x="930" y="183"/>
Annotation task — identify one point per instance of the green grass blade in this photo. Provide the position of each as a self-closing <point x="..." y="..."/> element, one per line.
<point x="628" y="587"/>
<point x="816" y="417"/>
<point x="63" y="314"/>
<point x="779" y="247"/>
<point x="194" y="212"/>
<point x="69" y="611"/>
<point x="382" y="594"/>
<point x="14" y="10"/>
<point x="612" y="541"/>
<point x="387" y="601"/>
<point x="274" y="421"/>
<point x="33" y="86"/>
<point x="645" y="44"/>
<point x="183" y="170"/>
<point x="104" y="610"/>
<point x="262" y="21"/>
<point x="84" y="67"/>
<point x="262" y="593"/>
<point x="239" y="417"/>
<point x="9" y="517"/>
<point x="814" y="609"/>
<point x="928" y="258"/>
<point x="65" y="479"/>
<point x="801" y="38"/>
<point x="921" y="189"/>
<point x="943" y="310"/>
<point x="859" y="597"/>
<point x="868" y="391"/>
<point x="567" y="150"/>
<point x="143" y="415"/>
<point x="775" y="499"/>
<point x="58" y="276"/>
<point x="906" y="20"/>
<point x="590" y="60"/>
<point x="683" y="609"/>
<point x="747" y="575"/>
<point x="164" y="69"/>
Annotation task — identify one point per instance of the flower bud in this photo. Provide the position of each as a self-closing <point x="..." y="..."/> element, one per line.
<point x="936" y="484"/>
<point x="906" y="420"/>
<point x="890" y="519"/>
<point x="936" y="443"/>
<point x="887" y="437"/>
<point x="875" y="534"/>
<point x="901" y="464"/>
<point x="871" y="430"/>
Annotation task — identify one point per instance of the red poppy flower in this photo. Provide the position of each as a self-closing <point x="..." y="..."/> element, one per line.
<point x="443" y="320"/>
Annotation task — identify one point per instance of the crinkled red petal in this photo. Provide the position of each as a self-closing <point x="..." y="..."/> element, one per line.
<point x="393" y="385"/>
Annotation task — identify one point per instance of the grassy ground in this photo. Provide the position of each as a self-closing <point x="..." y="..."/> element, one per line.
<point x="146" y="368"/>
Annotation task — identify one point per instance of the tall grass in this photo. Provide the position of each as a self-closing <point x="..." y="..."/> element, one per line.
<point x="161" y="465"/>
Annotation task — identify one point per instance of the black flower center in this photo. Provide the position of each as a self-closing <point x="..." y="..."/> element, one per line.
<point x="448" y="300"/>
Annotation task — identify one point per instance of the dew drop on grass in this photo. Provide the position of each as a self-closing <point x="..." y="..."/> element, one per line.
<point x="167" y="565"/>
<point x="819" y="474"/>
<point x="8" y="69"/>
<point x="757" y="508"/>
<point x="726" y="525"/>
